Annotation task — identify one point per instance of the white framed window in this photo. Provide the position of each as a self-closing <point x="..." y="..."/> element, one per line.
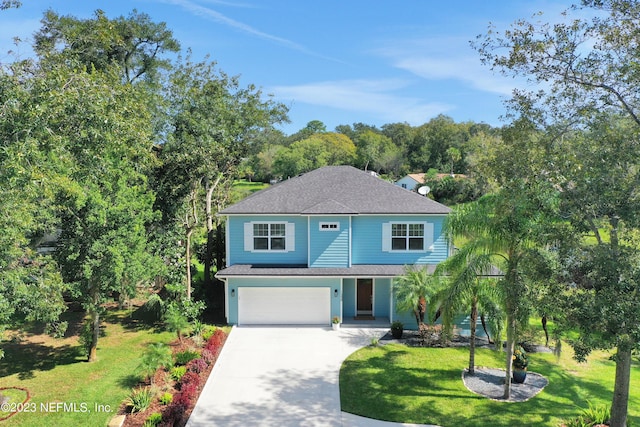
<point x="269" y="236"/>
<point x="329" y="226"/>
<point x="410" y="236"/>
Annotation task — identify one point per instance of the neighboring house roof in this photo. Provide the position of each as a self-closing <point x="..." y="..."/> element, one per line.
<point x="370" y="270"/>
<point x="417" y="177"/>
<point x="335" y="190"/>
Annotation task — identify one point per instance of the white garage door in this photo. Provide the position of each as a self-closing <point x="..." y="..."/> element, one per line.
<point x="284" y="306"/>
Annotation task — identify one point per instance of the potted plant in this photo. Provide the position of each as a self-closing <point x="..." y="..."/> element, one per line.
<point x="520" y="363"/>
<point x="335" y="323"/>
<point x="397" y="328"/>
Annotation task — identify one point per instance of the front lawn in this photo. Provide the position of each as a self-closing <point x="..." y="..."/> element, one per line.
<point x="424" y="385"/>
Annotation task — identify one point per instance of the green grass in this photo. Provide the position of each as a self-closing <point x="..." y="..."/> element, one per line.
<point x="243" y="188"/>
<point x="424" y="385"/>
<point x="55" y="373"/>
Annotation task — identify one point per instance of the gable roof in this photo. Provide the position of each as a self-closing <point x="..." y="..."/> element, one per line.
<point x="336" y="190"/>
<point x="417" y="177"/>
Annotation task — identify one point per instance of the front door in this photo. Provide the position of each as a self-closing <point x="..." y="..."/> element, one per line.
<point x="364" y="297"/>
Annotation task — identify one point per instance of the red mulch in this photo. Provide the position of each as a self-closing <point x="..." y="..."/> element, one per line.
<point x="164" y="383"/>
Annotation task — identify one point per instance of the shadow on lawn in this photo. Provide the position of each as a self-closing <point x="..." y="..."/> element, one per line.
<point x="24" y="358"/>
<point x="378" y="385"/>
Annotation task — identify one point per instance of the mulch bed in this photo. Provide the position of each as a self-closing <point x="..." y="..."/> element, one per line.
<point x="164" y="383"/>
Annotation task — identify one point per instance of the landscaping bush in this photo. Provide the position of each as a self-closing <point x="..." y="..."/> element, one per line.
<point x="157" y="355"/>
<point x="208" y="356"/>
<point x="140" y="399"/>
<point x="430" y="334"/>
<point x="214" y="343"/>
<point x="593" y="416"/>
<point x="177" y="372"/>
<point x="153" y="420"/>
<point x="197" y="365"/>
<point x="189" y="378"/>
<point x="208" y="331"/>
<point x="187" y="394"/>
<point x="184" y="357"/>
<point x="173" y="414"/>
<point x="166" y="398"/>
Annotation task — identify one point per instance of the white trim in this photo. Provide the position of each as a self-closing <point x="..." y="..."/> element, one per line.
<point x="227" y="242"/>
<point x="329" y="226"/>
<point x="226" y="300"/>
<point x="349" y="256"/>
<point x="289" y="237"/>
<point x="427" y="237"/>
<point x="308" y="240"/>
<point x="373" y="295"/>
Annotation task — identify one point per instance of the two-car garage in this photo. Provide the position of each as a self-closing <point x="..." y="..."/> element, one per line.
<point x="284" y="305"/>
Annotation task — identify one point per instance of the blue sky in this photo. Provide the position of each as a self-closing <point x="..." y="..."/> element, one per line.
<point x="337" y="61"/>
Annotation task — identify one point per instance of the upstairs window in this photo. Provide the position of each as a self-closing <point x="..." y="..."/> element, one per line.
<point x="269" y="236"/>
<point x="407" y="236"/>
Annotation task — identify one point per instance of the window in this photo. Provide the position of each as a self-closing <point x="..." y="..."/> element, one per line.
<point x="407" y="236"/>
<point x="269" y="236"/>
<point x="329" y="226"/>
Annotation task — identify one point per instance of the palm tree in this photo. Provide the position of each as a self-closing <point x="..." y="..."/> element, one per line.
<point x="414" y="290"/>
<point x="502" y="228"/>
<point x="470" y="285"/>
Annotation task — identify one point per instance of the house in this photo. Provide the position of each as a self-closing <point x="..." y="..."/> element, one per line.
<point x="326" y="244"/>
<point x="409" y="182"/>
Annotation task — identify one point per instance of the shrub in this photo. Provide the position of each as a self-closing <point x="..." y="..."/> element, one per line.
<point x="189" y="378"/>
<point x="140" y="399"/>
<point x="214" y="343"/>
<point x="157" y="355"/>
<point x="153" y="420"/>
<point x="593" y="416"/>
<point x="430" y="334"/>
<point x="173" y="414"/>
<point x="208" y="331"/>
<point x="208" y="356"/>
<point x="184" y="357"/>
<point x="177" y="372"/>
<point x="197" y="365"/>
<point x="166" y="398"/>
<point x="187" y="394"/>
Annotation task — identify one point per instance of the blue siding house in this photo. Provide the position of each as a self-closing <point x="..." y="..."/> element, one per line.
<point x="326" y="244"/>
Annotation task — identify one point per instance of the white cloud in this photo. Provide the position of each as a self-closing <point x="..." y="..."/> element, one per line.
<point x="442" y="58"/>
<point x="213" y="15"/>
<point x="374" y="97"/>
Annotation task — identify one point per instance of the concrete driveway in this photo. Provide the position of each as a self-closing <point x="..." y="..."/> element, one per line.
<point x="279" y="376"/>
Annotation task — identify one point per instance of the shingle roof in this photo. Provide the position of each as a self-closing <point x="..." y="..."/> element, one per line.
<point x="336" y="190"/>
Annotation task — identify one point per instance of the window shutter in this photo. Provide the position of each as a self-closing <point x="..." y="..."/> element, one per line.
<point x="248" y="237"/>
<point x="290" y="244"/>
<point x="386" y="237"/>
<point x="428" y="236"/>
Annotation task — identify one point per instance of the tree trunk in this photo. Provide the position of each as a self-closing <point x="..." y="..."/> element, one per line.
<point x="208" y="259"/>
<point x="472" y="343"/>
<point x="546" y="331"/>
<point x="621" y="387"/>
<point x="188" y="262"/>
<point x="95" y="329"/>
<point x="484" y="328"/>
<point x="511" y="332"/>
